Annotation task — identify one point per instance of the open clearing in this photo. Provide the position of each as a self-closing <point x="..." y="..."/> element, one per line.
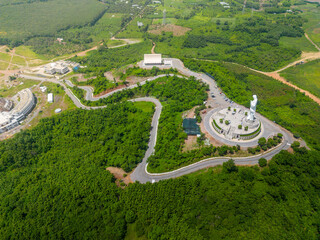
<point x="305" y="76"/>
<point x="176" y="30"/>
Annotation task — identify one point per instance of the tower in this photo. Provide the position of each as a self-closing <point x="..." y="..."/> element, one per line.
<point x="164" y="17"/>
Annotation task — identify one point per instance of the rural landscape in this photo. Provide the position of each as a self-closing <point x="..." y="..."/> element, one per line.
<point x="159" y="119"/>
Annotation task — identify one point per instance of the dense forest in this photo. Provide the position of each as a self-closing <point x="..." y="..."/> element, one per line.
<point x="55" y="186"/>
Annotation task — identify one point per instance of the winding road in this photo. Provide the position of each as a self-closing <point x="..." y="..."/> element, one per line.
<point x="141" y="173"/>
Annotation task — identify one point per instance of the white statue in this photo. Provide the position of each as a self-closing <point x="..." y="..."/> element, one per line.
<point x="253" y="105"/>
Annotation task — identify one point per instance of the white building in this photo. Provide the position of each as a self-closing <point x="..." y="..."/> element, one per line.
<point x="60" y="67"/>
<point x="152" y="59"/>
<point x="43" y="88"/>
<point x="9" y="120"/>
<point x="50" y="98"/>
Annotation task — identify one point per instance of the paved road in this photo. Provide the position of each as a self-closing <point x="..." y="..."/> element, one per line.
<point x="140" y="173"/>
<point x="89" y="90"/>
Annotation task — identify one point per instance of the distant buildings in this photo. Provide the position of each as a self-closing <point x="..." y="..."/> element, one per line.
<point x="57" y="67"/>
<point x="224" y="4"/>
<point x="61" y="67"/>
<point x="25" y="102"/>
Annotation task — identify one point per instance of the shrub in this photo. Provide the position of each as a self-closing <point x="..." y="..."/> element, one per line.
<point x="246" y="128"/>
<point x="262" y="141"/>
<point x="263" y="162"/>
<point x="240" y="127"/>
<point x="279" y="135"/>
<point x="229" y="166"/>
<point x="221" y="120"/>
<point x="227" y="122"/>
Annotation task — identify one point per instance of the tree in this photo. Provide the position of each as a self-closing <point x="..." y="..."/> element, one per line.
<point x="229" y="166"/>
<point x="239" y="126"/>
<point x="263" y="162"/>
<point x="262" y="141"/>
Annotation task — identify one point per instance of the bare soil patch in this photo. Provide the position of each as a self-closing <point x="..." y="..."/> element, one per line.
<point x="120" y="175"/>
<point x="175" y="29"/>
<point x="190" y="143"/>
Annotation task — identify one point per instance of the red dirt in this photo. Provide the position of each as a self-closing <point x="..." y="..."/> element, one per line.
<point x="176" y="30"/>
<point x="118" y="173"/>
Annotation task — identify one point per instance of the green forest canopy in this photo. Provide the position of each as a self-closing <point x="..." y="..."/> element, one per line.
<point x="55" y="186"/>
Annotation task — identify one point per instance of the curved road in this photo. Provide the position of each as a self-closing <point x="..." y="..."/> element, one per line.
<point x="140" y="173"/>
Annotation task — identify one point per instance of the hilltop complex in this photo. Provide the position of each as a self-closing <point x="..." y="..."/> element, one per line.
<point x="237" y="123"/>
<point x="10" y="117"/>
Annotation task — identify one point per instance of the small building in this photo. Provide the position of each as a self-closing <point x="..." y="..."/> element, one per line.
<point x="50" y="98"/>
<point x="190" y="126"/>
<point x="43" y="88"/>
<point x="152" y="59"/>
<point x="140" y="24"/>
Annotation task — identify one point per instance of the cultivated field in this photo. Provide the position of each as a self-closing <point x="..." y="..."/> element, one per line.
<point x="39" y="18"/>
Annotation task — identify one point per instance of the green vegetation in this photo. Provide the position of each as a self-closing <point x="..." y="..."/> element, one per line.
<point x="217" y="126"/>
<point x="17" y="86"/>
<point x="251" y="134"/>
<point x="45" y="18"/>
<point x="300" y="43"/>
<point x="100" y="84"/>
<point x="177" y="95"/>
<point x="305" y="76"/>
<point x="252" y="41"/>
<point x="139" y="72"/>
<point x="55" y="186"/>
<point x="100" y="61"/>
<point x="312" y="27"/>
<point x="278" y="102"/>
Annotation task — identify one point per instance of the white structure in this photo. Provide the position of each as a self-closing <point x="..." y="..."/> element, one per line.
<point x="232" y="123"/>
<point x="139" y="24"/>
<point x="253" y="106"/>
<point x="43" y="88"/>
<point x="60" y="67"/>
<point x="50" y="97"/>
<point x="152" y="59"/>
<point x="24" y="106"/>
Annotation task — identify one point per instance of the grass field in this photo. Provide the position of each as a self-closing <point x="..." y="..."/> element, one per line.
<point x="23" y="54"/>
<point x="3" y="65"/>
<point x="301" y="43"/>
<point x="312" y="26"/>
<point x="10" y="92"/>
<point x="23" y="20"/>
<point x="28" y="53"/>
<point x="305" y="76"/>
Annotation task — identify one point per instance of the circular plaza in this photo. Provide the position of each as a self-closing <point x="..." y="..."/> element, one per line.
<point x="234" y="123"/>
